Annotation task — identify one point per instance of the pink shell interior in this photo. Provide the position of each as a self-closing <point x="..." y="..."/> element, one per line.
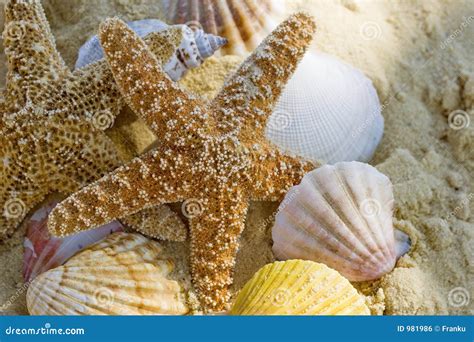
<point x="44" y="252"/>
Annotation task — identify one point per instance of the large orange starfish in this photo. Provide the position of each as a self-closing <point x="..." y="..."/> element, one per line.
<point x="213" y="156"/>
<point x="52" y="121"/>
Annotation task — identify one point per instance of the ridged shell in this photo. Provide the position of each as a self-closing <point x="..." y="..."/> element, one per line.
<point x="121" y="275"/>
<point x="194" y="47"/>
<point x="298" y="287"/>
<point x="341" y="215"/>
<point x="244" y="23"/>
<point x="328" y="111"/>
<point x="44" y="252"/>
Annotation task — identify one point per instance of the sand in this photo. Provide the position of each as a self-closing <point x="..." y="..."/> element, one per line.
<point x="419" y="56"/>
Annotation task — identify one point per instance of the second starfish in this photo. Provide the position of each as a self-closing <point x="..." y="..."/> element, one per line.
<point x="214" y="154"/>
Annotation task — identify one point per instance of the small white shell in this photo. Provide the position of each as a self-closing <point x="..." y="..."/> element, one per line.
<point x="194" y="47"/>
<point x="328" y="111"/>
<point x="341" y="215"/>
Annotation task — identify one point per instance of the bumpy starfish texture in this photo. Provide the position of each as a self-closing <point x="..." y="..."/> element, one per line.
<point x="52" y="120"/>
<point x="214" y="156"/>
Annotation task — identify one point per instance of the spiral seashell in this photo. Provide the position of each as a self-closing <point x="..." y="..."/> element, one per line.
<point x="341" y="215"/>
<point x="44" y="252"/>
<point x="298" y="287"/>
<point x="244" y="23"/>
<point x="331" y="112"/>
<point x="121" y="275"/>
<point x="193" y="47"/>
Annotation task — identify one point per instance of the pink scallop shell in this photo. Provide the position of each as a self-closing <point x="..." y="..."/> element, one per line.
<point x="44" y="252"/>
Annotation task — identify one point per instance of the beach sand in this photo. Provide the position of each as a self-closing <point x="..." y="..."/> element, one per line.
<point x="419" y="56"/>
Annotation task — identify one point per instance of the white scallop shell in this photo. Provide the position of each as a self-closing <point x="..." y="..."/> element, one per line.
<point x="328" y="111"/>
<point x="195" y="46"/>
<point x="121" y="275"/>
<point x="341" y="215"/>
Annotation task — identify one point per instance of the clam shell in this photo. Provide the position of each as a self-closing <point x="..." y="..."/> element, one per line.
<point x="44" y="252"/>
<point x="341" y="215"/>
<point x="193" y="47"/>
<point x="121" y="275"/>
<point x="244" y="23"/>
<point x="298" y="287"/>
<point x="328" y="111"/>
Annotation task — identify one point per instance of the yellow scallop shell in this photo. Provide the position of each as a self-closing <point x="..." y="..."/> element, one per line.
<point x="298" y="287"/>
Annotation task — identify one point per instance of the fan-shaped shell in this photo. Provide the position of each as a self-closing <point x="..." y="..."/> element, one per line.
<point x="298" y="287"/>
<point x="244" y="23"/>
<point x="328" y="111"/>
<point x="43" y="251"/>
<point x="341" y="215"/>
<point x="121" y="275"/>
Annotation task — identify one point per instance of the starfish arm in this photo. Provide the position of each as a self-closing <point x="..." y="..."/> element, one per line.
<point x="274" y="173"/>
<point x="249" y="96"/>
<point x="93" y="95"/>
<point x="215" y="235"/>
<point x="159" y="222"/>
<point x="150" y="180"/>
<point x="146" y="88"/>
<point x="93" y="88"/>
<point x="31" y="52"/>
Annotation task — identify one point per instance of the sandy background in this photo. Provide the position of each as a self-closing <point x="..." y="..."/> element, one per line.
<point x="419" y="56"/>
